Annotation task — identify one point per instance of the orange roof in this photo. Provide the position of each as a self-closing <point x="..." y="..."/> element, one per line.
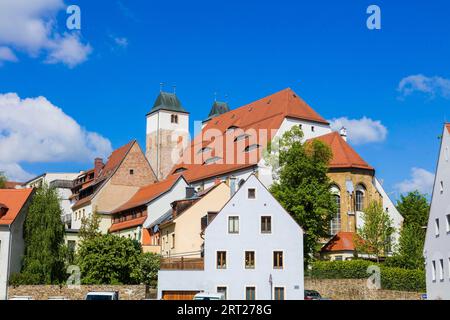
<point x="265" y="114"/>
<point x="114" y="161"/>
<point x="344" y="156"/>
<point x="14" y="200"/>
<point x="447" y="125"/>
<point x="127" y="224"/>
<point x="149" y="192"/>
<point x="342" y="241"/>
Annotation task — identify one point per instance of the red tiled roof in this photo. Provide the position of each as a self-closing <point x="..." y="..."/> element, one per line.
<point x="344" y="156"/>
<point x="267" y="114"/>
<point x="447" y="125"/>
<point x="342" y="241"/>
<point x="127" y="224"/>
<point x="14" y="200"/>
<point x="149" y="192"/>
<point x="114" y="161"/>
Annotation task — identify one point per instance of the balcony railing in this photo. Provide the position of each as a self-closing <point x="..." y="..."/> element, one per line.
<point x="182" y="264"/>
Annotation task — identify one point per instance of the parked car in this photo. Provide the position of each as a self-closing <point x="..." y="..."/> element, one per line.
<point x="312" y="295"/>
<point x="209" y="296"/>
<point x="102" y="295"/>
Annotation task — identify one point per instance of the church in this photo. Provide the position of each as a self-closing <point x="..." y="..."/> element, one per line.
<point x="230" y="148"/>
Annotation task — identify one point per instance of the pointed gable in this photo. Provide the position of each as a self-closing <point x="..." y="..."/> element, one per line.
<point x="344" y="156"/>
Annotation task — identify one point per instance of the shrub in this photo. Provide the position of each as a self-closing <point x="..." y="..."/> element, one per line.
<point x="20" y="279"/>
<point x="147" y="271"/>
<point x="391" y="278"/>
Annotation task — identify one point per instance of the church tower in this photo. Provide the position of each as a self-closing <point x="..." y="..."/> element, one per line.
<point x="167" y="133"/>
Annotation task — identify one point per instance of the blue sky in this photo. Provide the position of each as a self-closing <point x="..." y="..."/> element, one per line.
<point x="106" y="80"/>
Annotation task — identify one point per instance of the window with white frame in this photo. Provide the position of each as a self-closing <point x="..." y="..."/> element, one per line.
<point x="436" y="227"/>
<point x="251" y="193"/>
<point x="335" y="223"/>
<point x="441" y="269"/>
<point x="249" y="259"/>
<point x="221" y="261"/>
<point x="442" y="187"/>
<point x="250" y="293"/>
<point x="266" y="224"/>
<point x="279" y="293"/>
<point x="222" y="290"/>
<point x="233" y="224"/>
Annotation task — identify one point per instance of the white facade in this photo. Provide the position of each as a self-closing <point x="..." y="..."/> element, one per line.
<point x="286" y="236"/>
<point x="159" y="206"/>
<point x="12" y="248"/>
<point x="61" y="182"/>
<point x="437" y="241"/>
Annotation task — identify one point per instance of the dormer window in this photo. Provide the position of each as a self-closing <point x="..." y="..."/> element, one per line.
<point x="178" y="170"/>
<point x="204" y="149"/>
<point x="174" y="118"/>
<point x="231" y="129"/>
<point x="251" y="147"/>
<point x="241" y="137"/>
<point x="3" y="210"/>
<point x="212" y="160"/>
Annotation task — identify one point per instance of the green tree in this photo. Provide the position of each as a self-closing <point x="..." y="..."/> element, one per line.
<point x="44" y="238"/>
<point x="374" y="237"/>
<point x="108" y="259"/>
<point x="302" y="186"/>
<point x="89" y="227"/>
<point x="147" y="272"/>
<point x="414" y="208"/>
<point x="2" y="180"/>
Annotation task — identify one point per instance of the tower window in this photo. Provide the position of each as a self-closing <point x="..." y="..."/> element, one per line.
<point x="174" y="118"/>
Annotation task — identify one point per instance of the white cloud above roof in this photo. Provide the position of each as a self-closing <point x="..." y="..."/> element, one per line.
<point x="30" y="27"/>
<point x="33" y="130"/>
<point x="361" y="131"/>
<point x="431" y="86"/>
<point x="421" y="180"/>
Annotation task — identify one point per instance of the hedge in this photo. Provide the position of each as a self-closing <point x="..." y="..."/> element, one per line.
<point x="392" y="278"/>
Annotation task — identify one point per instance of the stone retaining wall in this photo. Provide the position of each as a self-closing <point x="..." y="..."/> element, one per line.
<point x="355" y="289"/>
<point x="43" y="292"/>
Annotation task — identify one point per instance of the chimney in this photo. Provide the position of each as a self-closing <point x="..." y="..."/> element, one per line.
<point x="232" y="185"/>
<point x="98" y="166"/>
<point x="190" y="192"/>
<point x="343" y="133"/>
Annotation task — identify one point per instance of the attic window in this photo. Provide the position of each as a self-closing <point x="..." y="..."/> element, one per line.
<point x="178" y="170"/>
<point x="252" y="147"/>
<point x="241" y="137"/>
<point x="212" y="160"/>
<point x="231" y="129"/>
<point x="204" y="149"/>
<point x="3" y="209"/>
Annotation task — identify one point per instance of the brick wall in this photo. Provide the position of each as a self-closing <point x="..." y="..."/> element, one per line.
<point x="43" y="292"/>
<point x="355" y="289"/>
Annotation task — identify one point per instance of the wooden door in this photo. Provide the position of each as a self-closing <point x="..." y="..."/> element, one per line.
<point x="179" y="295"/>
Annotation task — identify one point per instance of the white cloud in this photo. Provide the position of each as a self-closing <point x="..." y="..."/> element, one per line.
<point x="30" y="27"/>
<point x="361" y="131"/>
<point x="34" y="130"/>
<point x="6" y="54"/>
<point x="421" y="180"/>
<point x="121" y="42"/>
<point x="432" y="86"/>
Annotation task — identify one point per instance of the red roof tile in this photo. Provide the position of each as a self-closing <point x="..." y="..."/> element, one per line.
<point x="344" y="156"/>
<point x="14" y="200"/>
<point x="127" y="224"/>
<point x="147" y="193"/>
<point x="342" y="241"/>
<point x="267" y="114"/>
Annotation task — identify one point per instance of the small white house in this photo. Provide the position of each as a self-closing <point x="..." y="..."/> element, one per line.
<point x="14" y="205"/>
<point x="253" y="250"/>
<point x="437" y="241"/>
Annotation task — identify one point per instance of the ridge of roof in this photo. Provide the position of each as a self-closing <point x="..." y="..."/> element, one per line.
<point x="342" y="241"/>
<point x="344" y="156"/>
<point x="149" y="192"/>
<point x="115" y="159"/>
